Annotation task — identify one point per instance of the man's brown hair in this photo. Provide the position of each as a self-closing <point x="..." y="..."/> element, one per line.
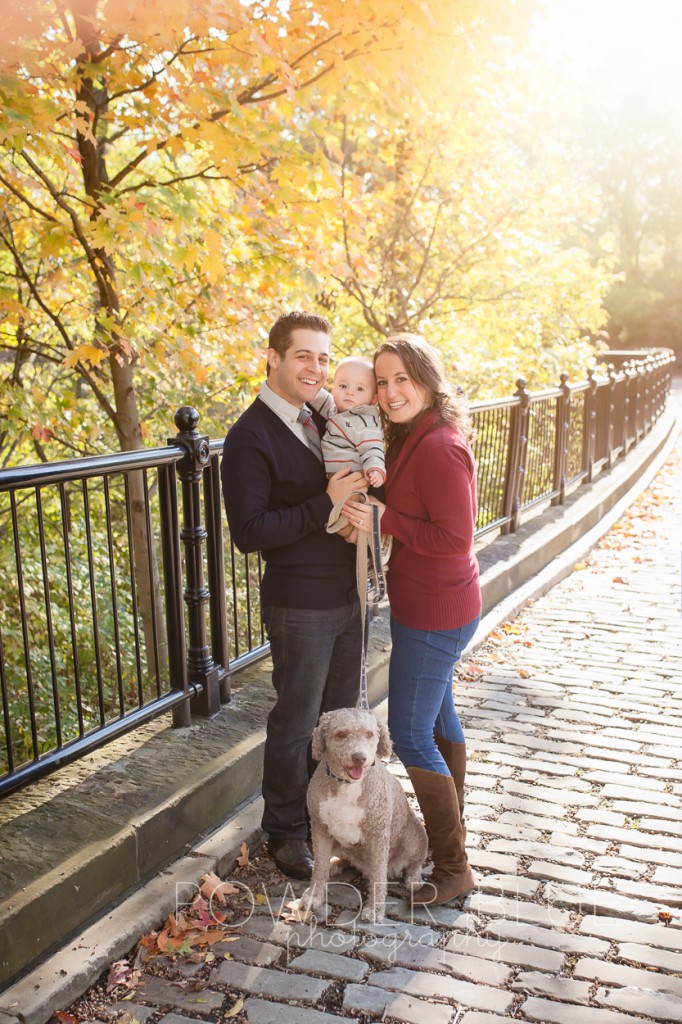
<point x="279" y="337"/>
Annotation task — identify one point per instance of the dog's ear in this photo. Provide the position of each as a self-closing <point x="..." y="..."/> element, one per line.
<point x="385" y="747"/>
<point x="318" y="739"/>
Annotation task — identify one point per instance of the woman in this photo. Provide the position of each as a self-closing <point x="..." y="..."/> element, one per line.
<point x="433" y="589"/>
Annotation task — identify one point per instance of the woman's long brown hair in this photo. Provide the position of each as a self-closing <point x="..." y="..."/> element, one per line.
<point x="424" y="366"/>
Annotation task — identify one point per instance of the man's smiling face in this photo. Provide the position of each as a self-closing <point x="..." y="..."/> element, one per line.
<point x="298" y="375"/>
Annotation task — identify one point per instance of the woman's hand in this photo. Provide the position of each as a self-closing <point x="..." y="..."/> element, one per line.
<point x="360" y="515"/>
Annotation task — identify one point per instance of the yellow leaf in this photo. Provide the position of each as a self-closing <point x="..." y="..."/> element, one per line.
<point x="235" y="1008"/>
<point x="213" y="266"/>
<point x="91" y="355"/>
<point x="192" y="254"/>
<point x="175" y="145"/>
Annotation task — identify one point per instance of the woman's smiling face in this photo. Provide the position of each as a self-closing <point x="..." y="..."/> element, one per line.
<point x="400" y="397"/>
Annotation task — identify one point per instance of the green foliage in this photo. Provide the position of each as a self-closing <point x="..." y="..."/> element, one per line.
<point x="68" y="619"/>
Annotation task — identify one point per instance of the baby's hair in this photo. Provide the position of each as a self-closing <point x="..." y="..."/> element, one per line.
<point x="357" y="361"/>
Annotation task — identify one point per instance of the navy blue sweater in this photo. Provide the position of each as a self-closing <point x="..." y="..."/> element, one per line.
<point x="276" y="502"/>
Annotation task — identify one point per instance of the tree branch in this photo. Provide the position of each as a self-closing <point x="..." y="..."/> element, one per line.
<point x="22" y="197"/>
<point x="9" y="243"/>
<point x="90" y="254"/>
<point x="85" y="374"/>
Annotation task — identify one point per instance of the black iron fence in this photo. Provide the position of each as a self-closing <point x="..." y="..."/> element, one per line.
<point x="117" y="605"/>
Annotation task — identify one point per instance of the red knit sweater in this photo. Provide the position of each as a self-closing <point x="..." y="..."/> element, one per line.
<point x="430" y="512"/>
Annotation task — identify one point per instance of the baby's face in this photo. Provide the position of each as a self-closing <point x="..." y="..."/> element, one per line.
<point x="354" y="385"/>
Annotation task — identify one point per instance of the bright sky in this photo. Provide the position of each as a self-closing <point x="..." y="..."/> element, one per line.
<point x="621" y="47"/>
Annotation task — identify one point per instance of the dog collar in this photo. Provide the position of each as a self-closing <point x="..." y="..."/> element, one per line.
<point x="347" y="782"/>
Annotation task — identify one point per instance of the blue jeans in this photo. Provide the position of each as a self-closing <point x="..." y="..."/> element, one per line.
<point x="420" y="698"/>
<point x="316" y="656"/>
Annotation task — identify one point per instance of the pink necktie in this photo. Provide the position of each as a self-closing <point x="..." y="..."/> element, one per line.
<point x="311" y="432"/>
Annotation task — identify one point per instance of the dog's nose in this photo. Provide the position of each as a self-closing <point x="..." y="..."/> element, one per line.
<point x="358" y="757"/>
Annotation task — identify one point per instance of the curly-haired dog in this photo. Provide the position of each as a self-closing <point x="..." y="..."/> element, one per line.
<point x="359" y="811"/>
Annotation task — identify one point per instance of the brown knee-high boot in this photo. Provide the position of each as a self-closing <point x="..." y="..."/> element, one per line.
<point x="455" y="757"/>
<point x="451" y="875"/>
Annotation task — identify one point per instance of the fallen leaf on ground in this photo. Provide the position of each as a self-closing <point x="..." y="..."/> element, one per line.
<point x="619" y="579"/>
<point x="214" y="888"/>
<point x="296" y="912"/>
<point x="235" y="1009"/>
<point x="472" y="670"/>
<point x="119" y="974"/>
<point x="205" y="917"/>
<point x="208" y="938"/>
<point x="176" y="925"/>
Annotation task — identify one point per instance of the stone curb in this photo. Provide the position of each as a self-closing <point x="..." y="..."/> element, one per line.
<point x="74" y="968"/>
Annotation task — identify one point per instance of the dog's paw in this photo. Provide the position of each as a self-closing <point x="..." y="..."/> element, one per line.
<point x="313" y="898"/>
<point x="372" y="914"/>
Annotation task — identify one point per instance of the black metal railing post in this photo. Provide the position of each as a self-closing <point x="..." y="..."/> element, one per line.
<point x="561" y="432"/>
<point x="172" y="575"/>
<point x="215" y="560"/>
<point x="622" y="409"/>
<point x="590" y="426"/>
<point x="516" y="458"/>
<point x="631" y="406"/>
<point x="644" y="373"/>
<point x="610" y="409"/>
<point x="201" y="668"/>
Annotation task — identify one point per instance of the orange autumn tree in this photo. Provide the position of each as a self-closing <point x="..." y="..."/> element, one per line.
<point x="152" y="157"/>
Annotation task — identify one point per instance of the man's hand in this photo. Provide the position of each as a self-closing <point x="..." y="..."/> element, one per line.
<point x="360" y="516"/>
<point x="343" y="483"/>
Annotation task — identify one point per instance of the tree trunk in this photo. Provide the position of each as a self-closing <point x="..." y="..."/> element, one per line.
<point x="121" y="361"/>
<point x="145" y="557"/>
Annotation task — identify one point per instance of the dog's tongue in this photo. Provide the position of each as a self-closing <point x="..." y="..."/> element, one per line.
<point x="355" y="772"/>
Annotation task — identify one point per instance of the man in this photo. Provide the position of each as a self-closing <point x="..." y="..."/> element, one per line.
<point x="278" y="500"/>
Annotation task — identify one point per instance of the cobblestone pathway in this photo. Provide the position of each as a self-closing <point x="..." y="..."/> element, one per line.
<point x="573" y="714"/>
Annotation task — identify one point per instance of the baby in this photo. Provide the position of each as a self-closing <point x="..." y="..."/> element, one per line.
<point x="354" y="437"/>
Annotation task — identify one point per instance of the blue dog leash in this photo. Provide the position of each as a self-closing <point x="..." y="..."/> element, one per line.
<point x="371" y="582"/>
